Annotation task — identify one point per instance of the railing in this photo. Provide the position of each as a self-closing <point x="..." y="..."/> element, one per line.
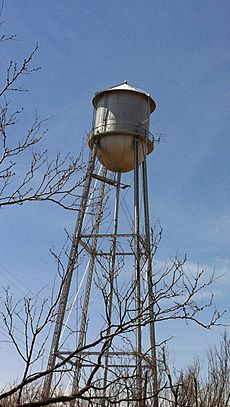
<point x="109" y="128"/>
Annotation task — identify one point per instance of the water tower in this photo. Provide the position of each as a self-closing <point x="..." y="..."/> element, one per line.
<point x="108" y="283"/>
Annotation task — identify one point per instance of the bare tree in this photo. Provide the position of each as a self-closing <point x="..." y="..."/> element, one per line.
<point x="175" y="298"/>
<point x="191" y="388"/>
<point x="217" y="388"/>
<point x="27" y="173"/>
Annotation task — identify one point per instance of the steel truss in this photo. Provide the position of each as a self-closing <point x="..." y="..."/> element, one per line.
<point x="136" y="359"/>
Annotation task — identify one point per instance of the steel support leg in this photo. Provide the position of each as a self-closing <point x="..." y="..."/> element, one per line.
<point x="68" y="276"/>
<point x="137" y="272"/>
<point x="150" y="282"/>
<point x="112" y="275"/>
<point x="85" y="309"/>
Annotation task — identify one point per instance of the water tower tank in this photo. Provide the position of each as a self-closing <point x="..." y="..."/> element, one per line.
<point x="122" y="114"/>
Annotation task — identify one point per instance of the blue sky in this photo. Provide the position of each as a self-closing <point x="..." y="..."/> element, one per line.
<point x="179" y="51"/>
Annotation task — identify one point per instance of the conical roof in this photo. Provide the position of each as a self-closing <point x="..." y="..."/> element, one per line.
<point x="124" y="86"/>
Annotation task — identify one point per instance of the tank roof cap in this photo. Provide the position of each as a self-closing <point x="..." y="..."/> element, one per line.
<point x="124" y="86"/>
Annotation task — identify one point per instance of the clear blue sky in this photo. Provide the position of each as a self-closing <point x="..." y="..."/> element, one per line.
<point x="179" y="51"/>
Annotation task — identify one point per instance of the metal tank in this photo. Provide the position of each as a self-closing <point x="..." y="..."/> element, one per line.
<point x="121" y="115"/>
